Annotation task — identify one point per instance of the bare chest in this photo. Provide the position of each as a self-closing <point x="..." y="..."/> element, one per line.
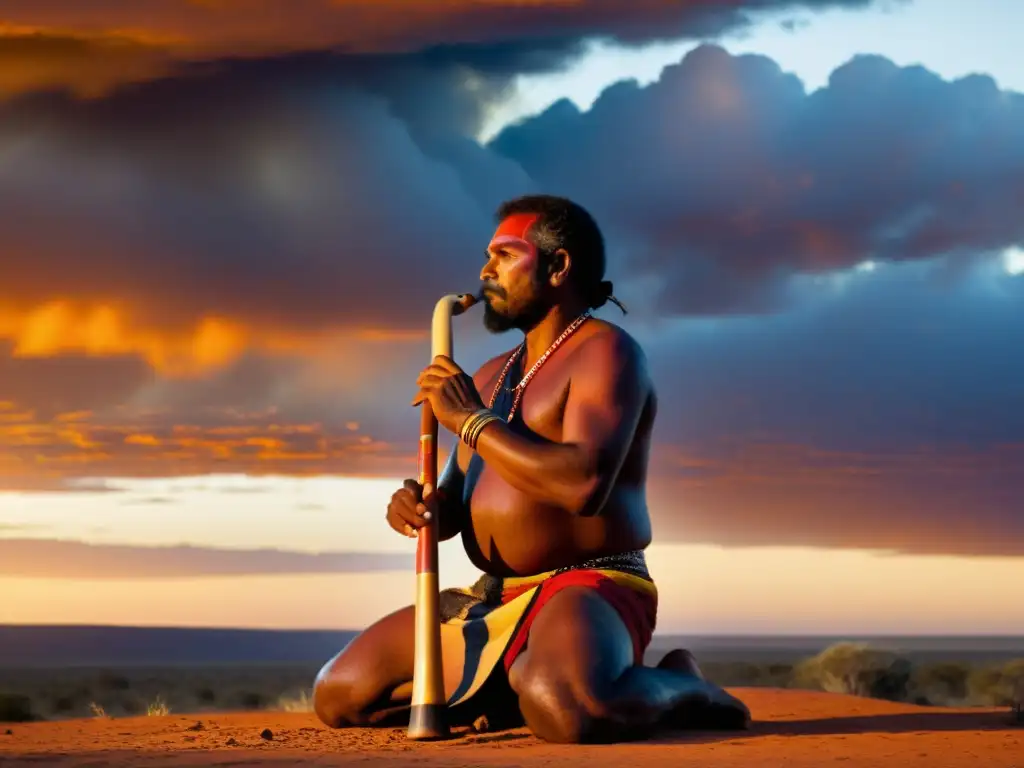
<point x="541" y="407"/>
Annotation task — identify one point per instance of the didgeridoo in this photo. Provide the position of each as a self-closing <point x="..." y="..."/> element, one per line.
<point x="428" y="717"/>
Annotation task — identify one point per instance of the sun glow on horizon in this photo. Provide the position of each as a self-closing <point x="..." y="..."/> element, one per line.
<point x="704" y="588"/>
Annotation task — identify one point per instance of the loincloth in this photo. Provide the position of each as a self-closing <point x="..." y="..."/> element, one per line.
<point x="494" y="615"/>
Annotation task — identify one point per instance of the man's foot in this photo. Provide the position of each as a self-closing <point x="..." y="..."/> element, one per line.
<point x="681" y="660"/>
<point x="716" y="710"/>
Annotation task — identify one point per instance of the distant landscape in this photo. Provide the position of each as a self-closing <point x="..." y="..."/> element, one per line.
<point x="78" y="645"/>
<point x="57" y="672"/>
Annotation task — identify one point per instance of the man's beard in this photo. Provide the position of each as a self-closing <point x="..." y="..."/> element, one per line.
<point x="524" y="319"/>
<point x="495" y="322"/>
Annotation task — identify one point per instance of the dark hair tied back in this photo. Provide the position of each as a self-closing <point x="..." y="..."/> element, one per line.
<point x="605" y="293"/>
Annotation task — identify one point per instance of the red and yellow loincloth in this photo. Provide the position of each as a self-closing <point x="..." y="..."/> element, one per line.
<point x="494" y="616"/>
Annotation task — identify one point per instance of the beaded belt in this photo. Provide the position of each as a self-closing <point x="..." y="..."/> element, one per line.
<point x="634" y="562"/>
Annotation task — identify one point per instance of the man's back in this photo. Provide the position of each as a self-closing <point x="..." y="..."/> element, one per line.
<point x="599" y="376"/>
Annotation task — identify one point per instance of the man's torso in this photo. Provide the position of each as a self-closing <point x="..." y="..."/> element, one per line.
<point x="507" y="532"/>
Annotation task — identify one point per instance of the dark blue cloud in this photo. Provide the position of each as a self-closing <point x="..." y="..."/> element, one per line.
<point x="883" y="359"/>
<point x="886" y="411"/>
<point x="725" y="176"/>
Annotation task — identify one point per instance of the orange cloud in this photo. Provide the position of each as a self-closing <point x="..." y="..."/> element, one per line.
<point x="92" y="45"/>
<point x="211" y="343"/>
<point x="36" y="59"/>
<point x="58" y="327"/>
<point x="47" y="453"/>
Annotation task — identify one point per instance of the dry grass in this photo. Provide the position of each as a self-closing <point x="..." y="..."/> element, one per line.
<point x="864" y="671"/>
<point x="27" y="694"/>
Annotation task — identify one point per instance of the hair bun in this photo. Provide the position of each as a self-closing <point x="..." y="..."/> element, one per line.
<point x="607" y="289"/>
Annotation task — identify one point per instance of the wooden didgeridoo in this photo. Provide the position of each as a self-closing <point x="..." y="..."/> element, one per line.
<point x="428" y="718"/>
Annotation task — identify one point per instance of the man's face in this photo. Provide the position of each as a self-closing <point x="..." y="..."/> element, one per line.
<point x="514" y="295"/>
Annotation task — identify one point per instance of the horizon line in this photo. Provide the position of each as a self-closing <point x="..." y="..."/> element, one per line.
<point x="298" y="630"/>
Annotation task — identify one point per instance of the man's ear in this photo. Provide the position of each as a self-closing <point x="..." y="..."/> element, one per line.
<point x="558" y="267"/>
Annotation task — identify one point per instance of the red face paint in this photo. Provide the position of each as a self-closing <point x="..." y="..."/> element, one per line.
<point x="511" y="233"/>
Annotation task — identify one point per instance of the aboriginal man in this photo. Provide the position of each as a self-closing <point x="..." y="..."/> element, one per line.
<point x="546" y="487"/>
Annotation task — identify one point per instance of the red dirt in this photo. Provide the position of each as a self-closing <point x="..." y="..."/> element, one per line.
<point x="792" y="728"/>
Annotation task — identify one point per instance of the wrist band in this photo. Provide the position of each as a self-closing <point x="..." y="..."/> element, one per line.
<point x="469" y="422"/>
<point x="474" y="425"/>
<point x="479" y="427"/>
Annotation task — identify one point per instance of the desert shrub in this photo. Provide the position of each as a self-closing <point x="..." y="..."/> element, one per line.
<point x="62" y="704"/>
<point x="251" y="700"/>
<point x="113" y="682"/>
<point x="997" y="685"/>
<point x="15" y="708"/>
<point x="857" y="669"/>
<point x="206" y="695"/>
<point x="742" y="673"/>
<point x="942" y="683"/>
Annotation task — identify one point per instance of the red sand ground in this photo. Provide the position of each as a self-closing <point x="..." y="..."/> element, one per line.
<point x="791" y="728"/>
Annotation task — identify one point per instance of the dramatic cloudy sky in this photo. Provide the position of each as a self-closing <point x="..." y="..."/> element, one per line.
<point x="224" y="223"/>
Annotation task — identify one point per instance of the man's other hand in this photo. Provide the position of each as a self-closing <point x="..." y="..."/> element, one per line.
<point x="407" y="512"/>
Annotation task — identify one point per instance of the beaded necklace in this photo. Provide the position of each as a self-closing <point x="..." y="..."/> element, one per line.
<point x="521" y="349"/>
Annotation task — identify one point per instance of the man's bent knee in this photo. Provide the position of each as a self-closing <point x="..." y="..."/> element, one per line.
<point x="558" y="710"/>
<point x="341" y="698"/>
<point x="351" y="687"/>
<point x="333" y="701"/>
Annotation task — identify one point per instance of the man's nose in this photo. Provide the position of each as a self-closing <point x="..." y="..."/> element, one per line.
<point x="487" y="274"/>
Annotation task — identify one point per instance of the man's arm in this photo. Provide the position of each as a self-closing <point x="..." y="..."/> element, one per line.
<point x="605" y="403"/>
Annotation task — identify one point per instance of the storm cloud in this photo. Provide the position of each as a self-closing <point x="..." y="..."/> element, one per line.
<point x="82" y="42"/>
<point x="228" y="266"/>
<point x="730" y="177"/>
<point x="885" y="413"/>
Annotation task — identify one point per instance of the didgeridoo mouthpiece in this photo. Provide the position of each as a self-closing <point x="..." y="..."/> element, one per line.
<point x="464" y="301"/>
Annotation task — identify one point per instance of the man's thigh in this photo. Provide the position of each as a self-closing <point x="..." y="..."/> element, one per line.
<point x="577" y="639"/>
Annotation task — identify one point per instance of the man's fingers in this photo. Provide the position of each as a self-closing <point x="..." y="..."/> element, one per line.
<point x="406" y="519"/>
<point x="437" y="371"/>
<point x="431" y="379"/>
<point x="420" y="397"/>
<point x="427" y="386"/>
<point x="445" y="363"/>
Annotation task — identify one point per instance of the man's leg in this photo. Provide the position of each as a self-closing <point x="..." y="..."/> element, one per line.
<point x="577" y="681"/>
<point x="370" y="681"/>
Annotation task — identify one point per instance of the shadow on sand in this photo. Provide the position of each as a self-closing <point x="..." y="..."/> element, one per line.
<point x="909" y="722"/>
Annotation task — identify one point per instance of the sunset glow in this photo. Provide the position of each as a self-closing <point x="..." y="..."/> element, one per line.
<point x="223" y="232"/>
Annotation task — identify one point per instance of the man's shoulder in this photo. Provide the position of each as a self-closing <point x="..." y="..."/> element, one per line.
<point x="612" y="345"/>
